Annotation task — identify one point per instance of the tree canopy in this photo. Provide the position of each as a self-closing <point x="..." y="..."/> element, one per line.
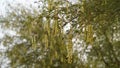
<point x="92" y="39"/>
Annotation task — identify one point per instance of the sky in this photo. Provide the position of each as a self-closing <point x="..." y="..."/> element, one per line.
<point x="3" y="4"/>
<point x="3" y="7"/>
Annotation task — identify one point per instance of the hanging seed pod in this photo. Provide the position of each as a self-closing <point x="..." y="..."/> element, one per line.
<point x="70" y="49"/>
<point x="56" y="54"/>
<point x="46" y="41"/>
<point x="82" y="7"/>
<point x="47" y="33"/>
<point x="51" y="44"/>
<point x="51" y="61"/>
<point x="48" y="27"/>
<point x="69" y="53"/>
<point x="89" y="34"/>
<point x="70" y="58"/>
<point x="50" y="4"/>
<point x="55" y="28"/>
<point x="34" y="42"/>
<point x="61" y="59"/>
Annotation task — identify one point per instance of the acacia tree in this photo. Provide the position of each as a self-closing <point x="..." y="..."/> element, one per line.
<point x="44" y="43"/>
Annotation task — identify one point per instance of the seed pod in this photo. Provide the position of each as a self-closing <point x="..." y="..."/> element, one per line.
<point x="89" y="34"/>
<point x="70" y="50"/>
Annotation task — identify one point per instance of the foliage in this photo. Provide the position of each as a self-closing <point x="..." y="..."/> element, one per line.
<point x="44" y="43"/>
